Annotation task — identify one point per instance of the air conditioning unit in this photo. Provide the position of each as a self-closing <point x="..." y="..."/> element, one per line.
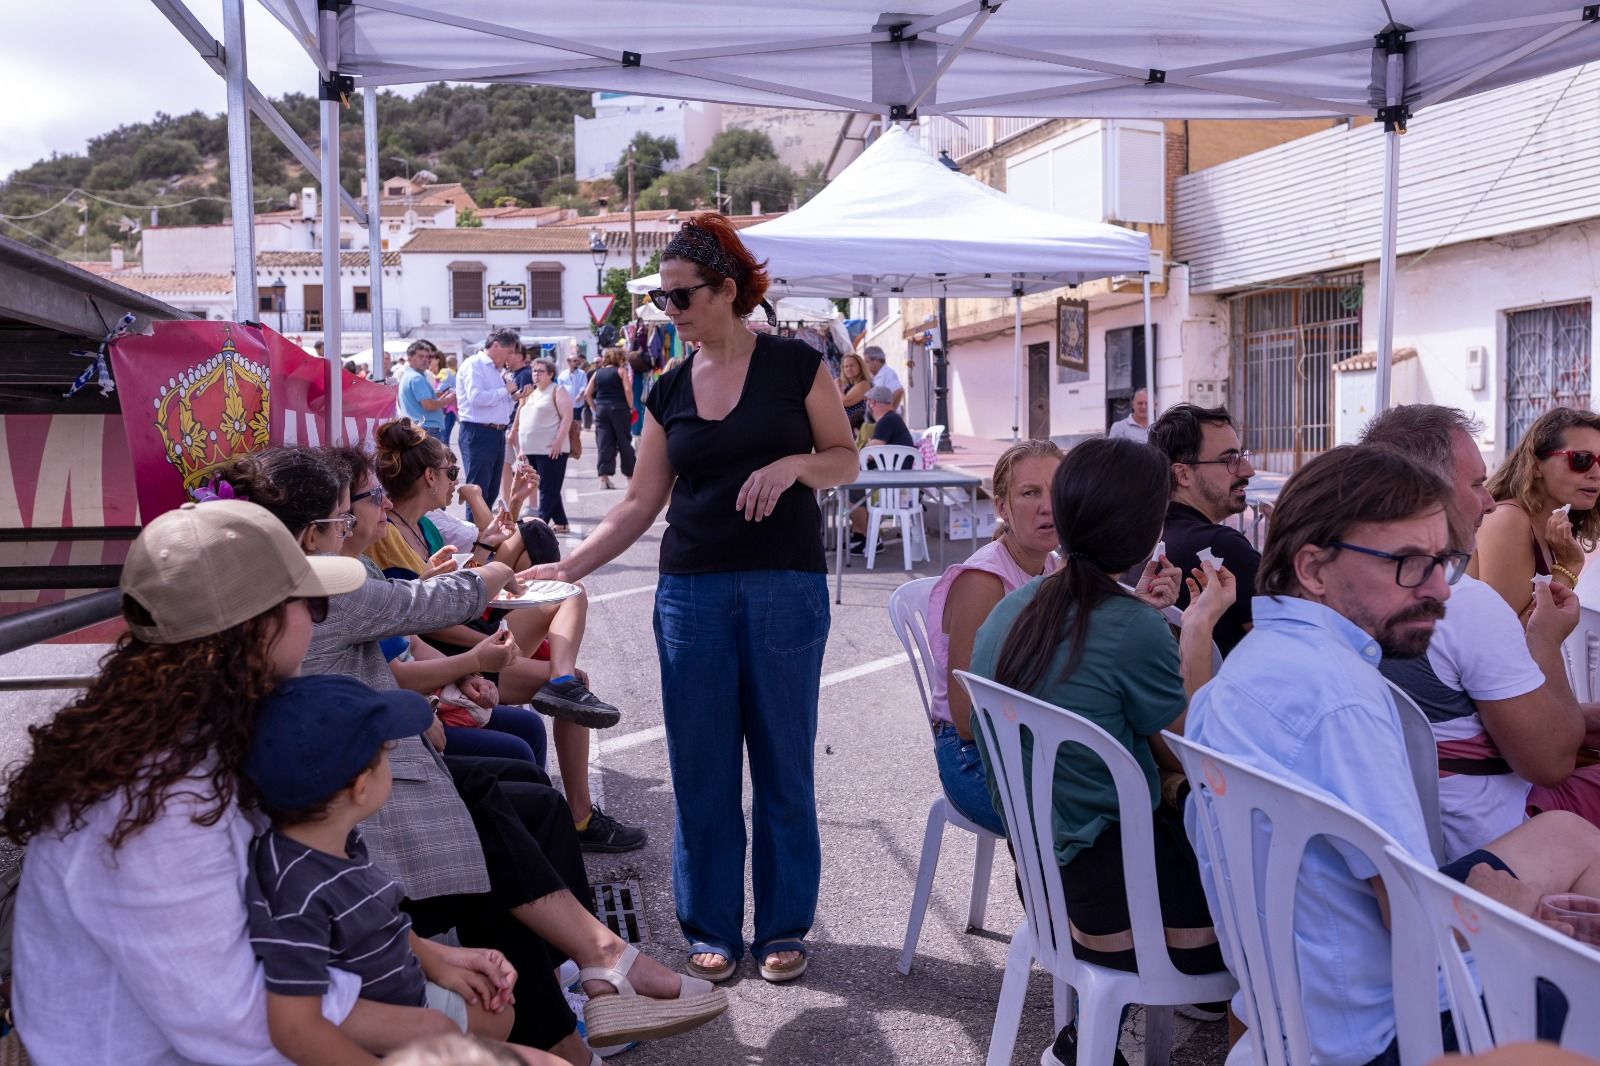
<point x="1208" y="393"/>
<point x="1135" y="282"/>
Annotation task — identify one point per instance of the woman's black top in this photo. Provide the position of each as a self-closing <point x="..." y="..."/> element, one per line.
<point x="714" y="459"/>
<point x="608" y="388"/>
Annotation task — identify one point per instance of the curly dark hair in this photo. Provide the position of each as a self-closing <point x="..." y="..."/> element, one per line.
<point x="155" y="714"/>
<point x="353" y="464"/>
<point x="296" y="484"/>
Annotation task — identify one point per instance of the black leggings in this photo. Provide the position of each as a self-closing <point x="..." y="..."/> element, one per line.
<point x="612" y="434"/>
<point x="530" y="848"/>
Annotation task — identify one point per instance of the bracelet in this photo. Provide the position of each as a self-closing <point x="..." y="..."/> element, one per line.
<point x="480" y="544"/>
<point x="1572" y="579"/>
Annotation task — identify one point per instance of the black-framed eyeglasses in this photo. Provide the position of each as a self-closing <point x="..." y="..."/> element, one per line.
<point x="1577" y="462"/>
<point x="449" y="471"/>
<point x="317" y="607"/>
<point x="1413" y="571"/>
<point x="375" y="493"/>
<point x="343" y="526"/>
<point x="1229" y="459"/>
<point x="679" y="297"/>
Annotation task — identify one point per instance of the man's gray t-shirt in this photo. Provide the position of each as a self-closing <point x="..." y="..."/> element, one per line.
<point x="310" y="911"/>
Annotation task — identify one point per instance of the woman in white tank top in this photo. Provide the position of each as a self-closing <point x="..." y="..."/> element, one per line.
<point x="543" y="425"/>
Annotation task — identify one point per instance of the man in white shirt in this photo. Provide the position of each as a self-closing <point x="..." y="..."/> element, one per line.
<point x="1358" y="567"/>
<point x="1498" y="698"/>
<point x="485" y="399"/>
<point x="573" y="379"/>
<point x="1136" y="427"/>
<point x="883" y="375"/>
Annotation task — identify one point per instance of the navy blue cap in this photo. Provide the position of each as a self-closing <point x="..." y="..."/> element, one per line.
<point x="315" y="734"/>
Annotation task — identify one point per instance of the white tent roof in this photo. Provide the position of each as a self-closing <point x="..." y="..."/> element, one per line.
<point x="899" y="221"/>
<point x="1157" y="58"/>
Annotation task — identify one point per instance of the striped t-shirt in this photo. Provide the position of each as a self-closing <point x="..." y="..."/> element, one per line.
<point x="310" y="910"/>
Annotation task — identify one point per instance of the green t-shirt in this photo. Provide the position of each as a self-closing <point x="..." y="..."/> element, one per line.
<point x="1127" y="683"/>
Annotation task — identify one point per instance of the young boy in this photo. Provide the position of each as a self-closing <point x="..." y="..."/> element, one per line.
<point x="319" y="761"/>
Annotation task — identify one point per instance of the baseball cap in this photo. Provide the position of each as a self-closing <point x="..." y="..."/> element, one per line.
<point x="207" y="567"/>
<point x="315" y="733"/>
<point x="880" y="394"/>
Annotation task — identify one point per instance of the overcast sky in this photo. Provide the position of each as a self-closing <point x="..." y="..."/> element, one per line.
<point x="71" y="69"/>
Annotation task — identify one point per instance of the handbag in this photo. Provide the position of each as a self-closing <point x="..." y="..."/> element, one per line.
<point x="455" y="709"/>
<point x="575" y="439"/>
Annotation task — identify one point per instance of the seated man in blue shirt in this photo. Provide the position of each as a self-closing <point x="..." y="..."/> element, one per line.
<point x="1358" y="566"/>
<point x="417" y="398"/>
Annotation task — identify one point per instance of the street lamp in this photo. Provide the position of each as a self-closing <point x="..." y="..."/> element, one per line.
<point x="598" y="250"/>
<point x="277" y="288"/>
<point x="716" y="202"/>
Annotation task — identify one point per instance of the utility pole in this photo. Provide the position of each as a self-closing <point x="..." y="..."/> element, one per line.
<point x="716" y="200"/>
<point x="633" y="227"/>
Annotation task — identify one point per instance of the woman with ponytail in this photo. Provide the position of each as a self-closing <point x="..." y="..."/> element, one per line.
<point x="1082" y="641"/>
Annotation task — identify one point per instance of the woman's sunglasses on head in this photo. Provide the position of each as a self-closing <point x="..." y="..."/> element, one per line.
<point x="679" y="297"/>
<point x="1577" y="462"/>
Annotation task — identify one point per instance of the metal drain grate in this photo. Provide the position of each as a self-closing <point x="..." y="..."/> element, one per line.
<point x="618" y="904"/>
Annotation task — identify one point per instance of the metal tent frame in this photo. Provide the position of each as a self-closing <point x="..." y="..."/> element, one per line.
<point x="1383" y="59"/>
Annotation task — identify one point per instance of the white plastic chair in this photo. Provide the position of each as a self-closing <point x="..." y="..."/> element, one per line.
<point x="1255" y="875"/>
<point x="934" y="434"/>
<point x="1511" y="952"/>
<point x="1422" y="752"/>
<point x="908" y="612"/>
<point x="902" y="506"/>
<point x="1582" y="652"/>
<point x="1102" y="992"/>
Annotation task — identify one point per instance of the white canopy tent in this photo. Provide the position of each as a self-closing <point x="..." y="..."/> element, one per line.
<point x="1384" y="59"/>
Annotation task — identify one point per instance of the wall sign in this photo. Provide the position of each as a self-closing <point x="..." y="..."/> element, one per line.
<point x="508" y="297"/>
<point x="1072" y="339"/>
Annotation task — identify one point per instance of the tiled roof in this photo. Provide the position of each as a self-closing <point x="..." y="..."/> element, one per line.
<point x="313" y="260"/>
<point x="521" y="212"/>
<point x="555" y="239"/>
<point x="1369" y="360"/>
<point x="161" y="284"/>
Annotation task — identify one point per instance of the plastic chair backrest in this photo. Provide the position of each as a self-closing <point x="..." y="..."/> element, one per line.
<point x="1422" y="752"/>
<point x="1255" y="877"/>
<point x="1582" y="651"/>
<point x="1002" y="713"/>
<point x="892" y="457"/>
<point x="1511" y="952"/>
<point x="908" y="613"/>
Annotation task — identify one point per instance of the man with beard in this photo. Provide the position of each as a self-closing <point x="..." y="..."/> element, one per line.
<point x="1357" y="568"/>
<point x="1498" y="698"/>
<point x="1210" y="471"/>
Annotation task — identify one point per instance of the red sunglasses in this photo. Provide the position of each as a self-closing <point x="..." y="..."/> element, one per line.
<point x="1577" y="462"/>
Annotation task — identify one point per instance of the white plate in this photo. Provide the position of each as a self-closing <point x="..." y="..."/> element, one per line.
<point x="538" y="594"/>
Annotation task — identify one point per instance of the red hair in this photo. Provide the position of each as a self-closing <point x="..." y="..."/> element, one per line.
<point x="752" y="282"/>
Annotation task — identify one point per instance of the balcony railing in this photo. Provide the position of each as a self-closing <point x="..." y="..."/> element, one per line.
<point x="940" y="134"/>
<point x="310" y="321"/>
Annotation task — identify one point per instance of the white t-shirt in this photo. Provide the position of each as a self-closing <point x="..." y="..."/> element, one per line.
<point x="887" y="378"/>
<point x="1478" y="652"/>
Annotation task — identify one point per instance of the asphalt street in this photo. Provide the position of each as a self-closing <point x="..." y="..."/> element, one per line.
<point x="875" y="781"/>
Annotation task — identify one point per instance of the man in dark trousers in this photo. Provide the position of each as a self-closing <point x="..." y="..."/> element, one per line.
<point x="1210" y="473"/>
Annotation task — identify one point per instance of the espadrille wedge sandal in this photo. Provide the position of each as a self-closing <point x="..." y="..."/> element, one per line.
<point x="628" y="1016"/>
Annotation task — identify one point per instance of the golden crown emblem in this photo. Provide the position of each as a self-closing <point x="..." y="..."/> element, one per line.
<point x="213" y="411"/>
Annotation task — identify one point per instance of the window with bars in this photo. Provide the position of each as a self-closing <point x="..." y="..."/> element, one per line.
<point x="1547" y="363"/>
<point x="1285" y="343"/>
<point x="544" y="294"/>
<point x="466" y="293"/>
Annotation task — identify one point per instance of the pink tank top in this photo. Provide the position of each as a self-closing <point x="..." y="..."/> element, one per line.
<point x="992" y="558"/>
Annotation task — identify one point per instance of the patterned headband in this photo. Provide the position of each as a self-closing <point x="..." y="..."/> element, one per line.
<point x="700" y="246"/>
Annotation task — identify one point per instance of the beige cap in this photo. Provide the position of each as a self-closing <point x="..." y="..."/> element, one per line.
<point x="205" y="568"/>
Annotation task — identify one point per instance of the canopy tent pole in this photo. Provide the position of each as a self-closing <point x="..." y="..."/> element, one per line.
<point x="1393" y="115"/>
<point x="240" y="175"/>
<point x="1016" y="367"/>
<point x="941" y="381"/>
<point x="1149" y="353"/>
<point x="369" y="117"/>
<point x="332" y="338"/>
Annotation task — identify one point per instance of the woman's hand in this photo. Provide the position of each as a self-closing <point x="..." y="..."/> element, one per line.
<point x="525" y="479"/>
<point x="497" y="652"/>
<point x="1212" y="590"/>
<point x="759" y="494"/>
<point x="1563" y="545"/>
<point x="435" y="735"/>
<point x="440" y="562"/>
<point x="469" y="492"/>
<point x="481" y="976"/>
<point x="1158" y="584"/>
<point x="499" y="530"/>
<point x="544" y="572"/>
<point x="480" y="690"/>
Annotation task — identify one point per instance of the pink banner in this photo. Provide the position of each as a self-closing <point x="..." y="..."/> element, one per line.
<point x="195" y="394"/>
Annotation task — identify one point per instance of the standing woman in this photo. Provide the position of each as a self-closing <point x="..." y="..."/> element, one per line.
<point x="544" y="425"/>
<point x="739" y="437"/>
<point x="853" y="386"/>
<point x="611" y="398"/>
<point x="1556" y="465"/>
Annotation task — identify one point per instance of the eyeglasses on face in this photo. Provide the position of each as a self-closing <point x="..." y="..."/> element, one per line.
<point x="342" y="526"/>
<point x="317" y="607"/>
<point x="375" y="494"/>
<point x="450" y="471"/>
<point x="1577" y="462"/>
<point x="1232" y="460"/>
<point x="679" y="297"/>
<point x="1413" y="571"/>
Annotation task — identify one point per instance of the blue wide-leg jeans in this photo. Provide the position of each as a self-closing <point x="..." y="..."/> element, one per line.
<point x="741" y="664"/>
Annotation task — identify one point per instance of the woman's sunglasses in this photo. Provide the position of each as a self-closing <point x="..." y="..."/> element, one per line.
<point x="343" y="526"/>
<point x="1577" y="462"/>
<point x="317" y="607"/>
<point x="449" y="471"/>
<point x="679" y="297"/>
<point x="375" y="493"/>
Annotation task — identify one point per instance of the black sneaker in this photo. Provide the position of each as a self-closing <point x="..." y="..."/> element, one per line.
<point x="1064" y="1052"/>
<point x="604" y="833"/>
<point x="572" y="701"/>
<point x="858" y="544"/>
